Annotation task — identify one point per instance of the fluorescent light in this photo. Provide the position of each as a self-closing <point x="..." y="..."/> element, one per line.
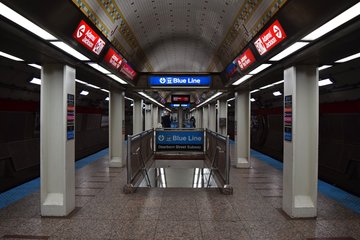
<point x="244" y="78"/>
<point x="254" y="91"/>
<point x="209" y="99"/>
<point x="151" y="99"/>
<point x="34" y="65"/>
<point x="83" y="92"/>
<point x="349" y="58"/>
<point x="293" y="48"/>
<point x="66" y="48"/>
<point x="11" y="57"/>
<point x="36" y="81"/>
<point x="107" y="99"/>
<point x="104" y="90"/>
<point x="339" y="20"/>
<point x="260" y="68"/>
<point x="324" y="67"/>
<point x="25" y="23"/>
<point x="252" y="99"/>
<point x="277" y="93"/>
<point x="230" y="99"/>
<point x="168" y="109"/>
<point x="325" y="82"/>
<point x="116" y="78"/>
<point x="129" y="98"/>
<point x="93" y="86"/>
<point x="229" y="105"/>
<point x="82" y="82"/>
<point x="279" y="82"/>
<point x="99" y="68"/>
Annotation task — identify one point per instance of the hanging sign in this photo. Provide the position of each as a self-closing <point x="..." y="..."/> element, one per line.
<point x="270" y="38"/>
<point x="113" y="59"/>
<point x="246" y="59"/>
<point x="179" y="80"/>
<point x="128" y="71"/>
<point x="88" y="38"/>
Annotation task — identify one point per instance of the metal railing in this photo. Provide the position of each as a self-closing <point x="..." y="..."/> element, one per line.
<point x="217" y="151"/>
<point x="140" y="152"/>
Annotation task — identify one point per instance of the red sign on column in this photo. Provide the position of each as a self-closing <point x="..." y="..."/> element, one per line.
<point x="270" y="38"/>
<point x="128" y="71"/>
<point x="88" y="38"/>
<point x="113" y="59"/>
<point x="246" y="59"/>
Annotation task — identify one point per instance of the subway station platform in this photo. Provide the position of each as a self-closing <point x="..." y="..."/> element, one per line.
<point x="103" y="211"/>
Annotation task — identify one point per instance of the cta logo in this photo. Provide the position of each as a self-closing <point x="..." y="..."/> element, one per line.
<point x="162" y="80"/>
<point x="277" y="31"/>
<point x="161" y="138"/>
<point x="81" y="31"/>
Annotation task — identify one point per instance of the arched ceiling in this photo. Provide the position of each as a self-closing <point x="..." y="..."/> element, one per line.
<point x="179" y="36"/>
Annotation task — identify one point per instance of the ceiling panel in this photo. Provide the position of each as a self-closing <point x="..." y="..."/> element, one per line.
<point x="179" y="36"/>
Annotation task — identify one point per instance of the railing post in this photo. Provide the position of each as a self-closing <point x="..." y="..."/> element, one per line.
<point x="227" y="182"/>
<point x="128" y="160"/>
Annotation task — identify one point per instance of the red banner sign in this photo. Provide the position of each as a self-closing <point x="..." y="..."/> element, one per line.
<point x="113" y="59"/>
<point x="88" y="38"/>
<point x="246" y="59"/>
<point x="270" y="38"/>
<point x="128" y="71"/>
<point x="180" y="98"/>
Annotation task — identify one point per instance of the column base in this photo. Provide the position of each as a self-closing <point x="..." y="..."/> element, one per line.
<point x="116" y="162"/>
<point x="54" y="206"/>
<point x="242" y="163"/>
<point x="303" y="207"/>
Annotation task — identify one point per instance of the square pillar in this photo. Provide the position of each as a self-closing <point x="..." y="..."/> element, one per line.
<point x="242" y="129"/>
<point x="155" y="115"/>
<point x="301" y="126"/>
<point x="148" y="116"/>
<point x="212" y="117"/>
<point x="222" y="117"/>
<point x="116" y="128"/>
<point x="205" y="117"/>
<point x="137" y="116"/>
<point x="57" y="140"/>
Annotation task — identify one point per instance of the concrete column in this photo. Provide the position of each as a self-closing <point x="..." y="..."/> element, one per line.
<point x="199" y="123"/>
<point x="301" y="127"/>
<point x="180" y="117"/>
<point x="117" y="128"/>
<point x="242" y="129"/>
<point x="222" y="117"/>
<point x="155" y="114"/>
<point x="205" y="116"/>
<point x="148" y="116"/>
<point x="57" y="140"/>
<point x="212" y="117"/>
<point x="137" y="116"/>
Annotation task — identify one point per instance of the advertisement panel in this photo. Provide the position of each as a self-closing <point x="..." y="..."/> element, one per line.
<point x="288" y="118"/>
<point x="88" y="38"/>
<point x="270" y="38"/>
<point x="179" y="80"/>
<point x="128" y="71"/>
<point x="113" y="59"/>
<point x="179" y="140"/>
<point x="245" y="59"/>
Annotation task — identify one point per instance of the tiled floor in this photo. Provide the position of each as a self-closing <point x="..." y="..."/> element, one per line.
<point x="104" y="212"/>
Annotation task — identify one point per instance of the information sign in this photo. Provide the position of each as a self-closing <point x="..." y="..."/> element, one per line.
<point x="179" y="140"/>
<point x="288" y="118"/>
<point x="179" y="80"/>
<point x="245" y="59"/>
<point x="128" y="71"/>
<point x="270" y="38"/>
<point x="88" y="38"/>
<point x="113" y="59"/>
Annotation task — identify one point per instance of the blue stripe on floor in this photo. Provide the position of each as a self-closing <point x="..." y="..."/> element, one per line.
<point x="344" y="198"/>
<point x="23" y="190"/>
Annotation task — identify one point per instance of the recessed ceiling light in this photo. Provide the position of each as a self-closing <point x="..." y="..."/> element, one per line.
<point x="324" y="67"/>
<point x="325" y="82"/>
<point x="339" y="20"/>
<point x="277" y="93"/>
<point x="260" y="68"/>
<point x="25" y="23"/>
<point x="83" y="92"/>
<point x="243" y="79"/>
<point x="66" y="48"/>
<point x="349" y="58"/>
<point x="290" y="50"/>
<point x="36" y="81"/>
<point x="11" y="57"/>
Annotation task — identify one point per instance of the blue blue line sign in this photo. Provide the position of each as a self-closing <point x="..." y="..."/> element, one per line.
<point x="179" y="140"/>
<point x="180" y="80"/>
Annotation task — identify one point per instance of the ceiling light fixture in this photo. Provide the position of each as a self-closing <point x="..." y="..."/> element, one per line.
<point x="82" y="82"/>
<point x="339" y="20"/>
<point x="35" y="65"/>
<point x="25" y="23"/>
<point x="36" y="81"/>
<point x="104" y="90"/>
<point x="252" y="100"/>
<point x="66" y="48"/>
<point x="230" y="99"/>
<point x="85" y="93"/>
<point x="107" y="99"/>
<point x="99" y="68"/>
<point x="129" y="98"/>
<point x="324" y="67"/>
<point x="254" y="91"/>
<point x="325" y="82"/>
<point x="277" y="93"/>
<point x="349" y="58"/>
<point x="116" y="78"/>
<point x="290" y="50"/>
<point x="209" y="99"/>
<point x="151" y="99"/>
<point x="92" y="86"/>
<point x="241" y="80"/>
<point x="6" y="55"/>
<point x="260" y="68"/>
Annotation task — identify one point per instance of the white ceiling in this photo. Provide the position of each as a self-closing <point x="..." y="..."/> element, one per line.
<point x="179" y="36"/>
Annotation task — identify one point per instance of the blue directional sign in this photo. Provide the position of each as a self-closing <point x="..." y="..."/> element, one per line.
<point x="180" y="80"/>
<point x="179" y="140"/>
<point x="184" y="105"/>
